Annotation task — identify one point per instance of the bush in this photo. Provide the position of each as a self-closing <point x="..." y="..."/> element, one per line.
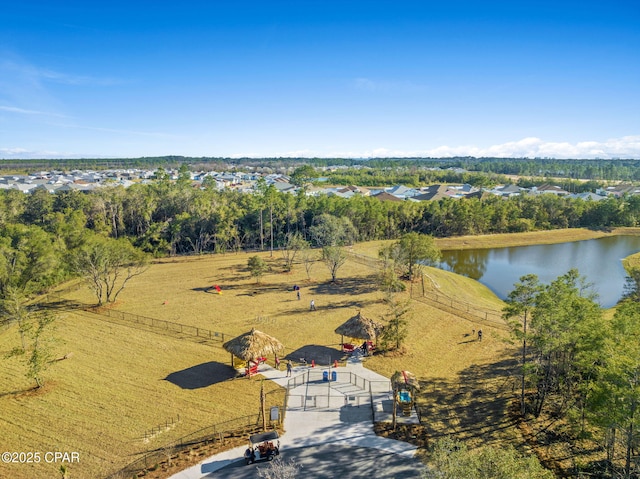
<point x="453" y="460"/>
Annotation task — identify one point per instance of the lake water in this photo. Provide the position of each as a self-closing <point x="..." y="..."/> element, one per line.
<point x="600" y="260"/>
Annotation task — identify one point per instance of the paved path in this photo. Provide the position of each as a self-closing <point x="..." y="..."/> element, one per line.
<point x="342" y="435"/>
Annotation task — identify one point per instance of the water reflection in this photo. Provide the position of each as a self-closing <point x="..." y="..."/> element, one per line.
<point x="472" y="265"/>
<point x="598" y="259"/>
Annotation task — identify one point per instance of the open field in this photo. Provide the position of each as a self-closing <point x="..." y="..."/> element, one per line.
<point x="176" y="290"/>
<point x="122" y="381"/>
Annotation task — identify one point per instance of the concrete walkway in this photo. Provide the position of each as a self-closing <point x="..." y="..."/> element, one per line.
<point x="343" y="417"/>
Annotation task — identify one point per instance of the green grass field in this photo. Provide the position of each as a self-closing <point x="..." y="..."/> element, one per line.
<point x="121" y="381"/>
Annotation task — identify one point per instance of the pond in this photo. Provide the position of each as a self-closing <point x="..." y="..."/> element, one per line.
<point x="599" y="260"/>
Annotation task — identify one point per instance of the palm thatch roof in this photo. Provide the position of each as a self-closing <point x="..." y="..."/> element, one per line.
<point x="252" y="345"/>
<point x="360" y="327"/>
<point x="405" y="378"/>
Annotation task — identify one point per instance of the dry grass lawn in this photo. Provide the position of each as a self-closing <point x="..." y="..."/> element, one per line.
<point x="122" y="381"/>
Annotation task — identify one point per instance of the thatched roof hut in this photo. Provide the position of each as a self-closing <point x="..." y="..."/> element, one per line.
<point x="252" y="345"/>
<point x="405" y="379"/>
<point x="360" y="327"/>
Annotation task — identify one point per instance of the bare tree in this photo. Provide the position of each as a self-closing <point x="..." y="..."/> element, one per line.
<point x="334" y="257"/>
<point x="294" y="245"/>
<point x="308" y="258"/>
<point x="108" y="265"/>
<point x="279" y="469"/>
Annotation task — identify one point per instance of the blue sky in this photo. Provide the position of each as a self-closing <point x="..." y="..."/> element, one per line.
<point x="320" y="78"/>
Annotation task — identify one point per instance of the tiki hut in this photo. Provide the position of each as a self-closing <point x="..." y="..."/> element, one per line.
<point x="252" y="345"/>
<point x="359" y="327"/>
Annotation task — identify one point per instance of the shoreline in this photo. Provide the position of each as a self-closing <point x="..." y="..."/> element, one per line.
<point x="504" y="240"/>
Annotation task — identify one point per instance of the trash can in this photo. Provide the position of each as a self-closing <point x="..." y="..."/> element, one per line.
<point x="325" y="375"/>
<point x="334" y="375"/>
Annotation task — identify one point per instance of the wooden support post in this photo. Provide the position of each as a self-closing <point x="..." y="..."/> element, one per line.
<point x="394" y="407"/>
<point x="263" y="406"/>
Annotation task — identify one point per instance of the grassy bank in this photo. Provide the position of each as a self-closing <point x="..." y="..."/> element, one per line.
<point x="117" y="386"/>
<point x="508" y="240"/>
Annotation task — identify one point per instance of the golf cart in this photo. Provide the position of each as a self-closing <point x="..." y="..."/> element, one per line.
<point x="265" y="445"/>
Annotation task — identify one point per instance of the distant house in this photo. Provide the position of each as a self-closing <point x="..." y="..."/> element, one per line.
<point x="588" y="196"/>
<point x="402" y="192"/>
<point x="24" y="187"/>
<point x="360" y="190"/>
<point x="548" y="189"/>
<point x="317" y="191"/>
<point x="384" y="196"/>
<point x="48" y="187"/>
<point x="433" y="192"/>
<point x="340" y="193"/>
<point x="479" y="194"/>
<point x="622" y="190"/>
<point x="284" y="187"/>
<point x="84" y="187"/>
<point x="507" y="191"/>
<point x="276" y="178"/>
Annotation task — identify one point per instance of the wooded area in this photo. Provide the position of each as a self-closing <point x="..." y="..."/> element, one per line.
<point x="168" y="218"/>
<point x="577" y="366"/>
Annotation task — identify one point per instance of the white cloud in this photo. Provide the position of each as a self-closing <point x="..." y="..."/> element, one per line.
<point x="23" y="154"/>
<point x="531" y="147"/>
<point x="23" y="111"/>
<point x="36" y="74"/>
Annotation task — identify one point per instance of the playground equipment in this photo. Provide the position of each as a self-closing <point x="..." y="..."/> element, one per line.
<point x="405" y="386"/>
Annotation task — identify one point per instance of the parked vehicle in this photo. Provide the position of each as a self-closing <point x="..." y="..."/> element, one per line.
<point x="265" y="445"/>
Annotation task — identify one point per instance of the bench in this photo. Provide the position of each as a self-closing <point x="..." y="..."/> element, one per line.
<point x="348" y="348"/>
<point x="251" y="371"/>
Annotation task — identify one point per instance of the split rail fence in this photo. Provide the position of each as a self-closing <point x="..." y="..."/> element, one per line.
<point x="466" y="310"/>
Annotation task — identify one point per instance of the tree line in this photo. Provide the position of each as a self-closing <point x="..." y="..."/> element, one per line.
<point x="169" y="218"/>
<point x="590" y="169"/>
